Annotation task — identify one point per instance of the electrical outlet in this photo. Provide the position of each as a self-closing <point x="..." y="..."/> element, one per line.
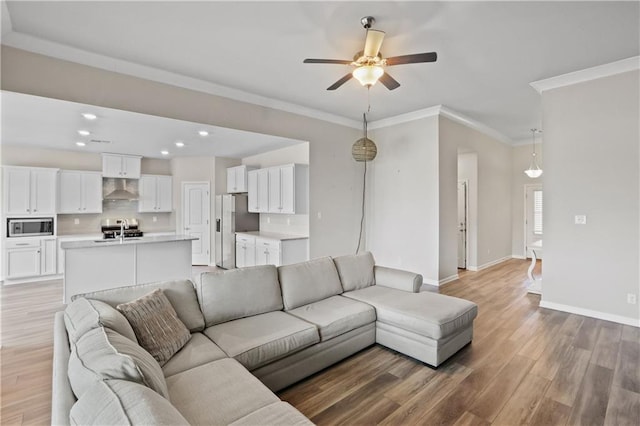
<point x="580" y="219"/>
<point x="268" y="219"/>
<point x="76" y="221"/>
<point x="288" y="221"/>
<point x="319" y="215"/>
<point x="632" y="299"/>
<point x="154" y="218"/>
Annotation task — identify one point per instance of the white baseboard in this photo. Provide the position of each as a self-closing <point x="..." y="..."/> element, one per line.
<point x="518" y="256"/>
<point x="428" y="281"/>
<point x="488" y="264"/>
<point x="448" y="279"/>
<point x="590" y="313"/>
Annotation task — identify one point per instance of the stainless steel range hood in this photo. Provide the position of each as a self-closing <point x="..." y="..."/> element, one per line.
<point x="119" y="189"/>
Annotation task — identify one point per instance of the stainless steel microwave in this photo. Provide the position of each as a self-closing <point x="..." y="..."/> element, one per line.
<point x="29" y="227"/>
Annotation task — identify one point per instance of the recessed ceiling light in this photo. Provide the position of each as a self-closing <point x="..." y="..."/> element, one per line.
<point x="80" y="143"/>
<point x="179" y="144"/>
<point x="164" y="152"/>
<point x="89" y="116"/>
<point x="84" y="132"/>
<point x="203" y="133"/>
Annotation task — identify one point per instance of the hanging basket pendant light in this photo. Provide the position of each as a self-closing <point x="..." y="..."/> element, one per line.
<point x="534" y="171"/>
<point x="364" y="149"/>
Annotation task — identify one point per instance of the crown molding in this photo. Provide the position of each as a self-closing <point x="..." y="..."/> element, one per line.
<point x="405" y="118"/>
<point x="600" y="71"/>
<point x="72" y="54"/>
<point x="476" y="125"/>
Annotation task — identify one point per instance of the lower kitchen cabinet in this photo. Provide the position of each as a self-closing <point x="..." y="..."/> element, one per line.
<point x="254" y="250"/>
<point x="30" y="258"/>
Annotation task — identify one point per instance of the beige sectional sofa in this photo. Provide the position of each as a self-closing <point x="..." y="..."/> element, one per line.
<point x="254" y="331"/>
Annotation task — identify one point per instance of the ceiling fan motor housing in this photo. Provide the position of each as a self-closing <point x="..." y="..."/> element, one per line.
<point x="367" y="21"/>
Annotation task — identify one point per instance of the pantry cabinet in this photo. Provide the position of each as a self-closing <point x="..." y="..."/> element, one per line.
<point x="29" y="190"/>
<point x="237" y="179"/>
<point x="121" y="166"/>
<point x="155" y="194"/>
<point x="80" y="192"/>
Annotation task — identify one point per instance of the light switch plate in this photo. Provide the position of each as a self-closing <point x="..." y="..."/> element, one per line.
<point x="581" y="219"/>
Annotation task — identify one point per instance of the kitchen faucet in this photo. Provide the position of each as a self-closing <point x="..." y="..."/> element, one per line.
<point x="124" y="224"/>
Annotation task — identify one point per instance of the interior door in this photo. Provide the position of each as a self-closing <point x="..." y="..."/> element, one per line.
<point x="533" y="219"/>
<point x="195" y="219"/>
<point x="462" y="224"/>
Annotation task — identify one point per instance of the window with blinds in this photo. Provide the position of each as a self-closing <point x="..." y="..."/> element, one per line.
<point x="537" y="212"/>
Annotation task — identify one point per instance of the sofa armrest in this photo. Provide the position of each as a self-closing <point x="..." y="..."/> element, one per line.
<point x="398" y="279"/>
<point x="62" y="397"/>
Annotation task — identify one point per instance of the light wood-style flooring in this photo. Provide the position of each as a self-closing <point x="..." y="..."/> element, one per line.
<point x="526" y="365"/>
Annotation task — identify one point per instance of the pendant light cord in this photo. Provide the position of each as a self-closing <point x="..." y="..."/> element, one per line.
<point x="364" y="185"/>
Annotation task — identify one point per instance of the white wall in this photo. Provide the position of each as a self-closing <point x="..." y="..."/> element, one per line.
<point x="592" y="154"/>
<point x="468" y="170"/>
<point x="334" y="176"/>
<point x="494" y="195"/>
<point x="521" y="159"/>
<point x="296" y="224"/>
<point x="402" y="197"/>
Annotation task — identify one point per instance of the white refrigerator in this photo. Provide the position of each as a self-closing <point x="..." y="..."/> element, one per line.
<point x="232" y="216"/>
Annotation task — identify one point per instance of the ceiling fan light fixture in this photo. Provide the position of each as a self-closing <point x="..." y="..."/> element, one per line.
<point x="368" y="75"/>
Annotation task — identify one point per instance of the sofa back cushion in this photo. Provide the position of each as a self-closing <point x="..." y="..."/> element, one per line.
<point x="355" y="271"/>
<point x="181" y="294"/>
<point x="118" y="402"/>
<point x="103" y="354"/>
<point x="308" y="282"/>
<point x="84" y="314"/>
<point x="238" y="293"/>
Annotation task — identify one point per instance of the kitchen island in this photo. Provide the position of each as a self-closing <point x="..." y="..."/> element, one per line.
<point x="92" y="265"/>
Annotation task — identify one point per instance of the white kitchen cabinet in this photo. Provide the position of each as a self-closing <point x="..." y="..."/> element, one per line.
<point x="268" y="252"/>
<point x="289" y="189"/>
<point x="29" y="190"/>
<point x="237" y="179"/>
<point x="48" y="256"/>
<point x="155" y="194"/>
<point x="80" y="192"/>
<point x="245" y="251"/>
<point x="258" y="188"/>
<point x="30" y="257"/>
<point x="121" y="166"/>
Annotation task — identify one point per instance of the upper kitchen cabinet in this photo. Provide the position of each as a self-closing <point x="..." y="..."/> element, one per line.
<point x="289" y="189"/>
<point x="258" y="188"/>
<point x="29" y="190"/>
<point x="155" y="194"/>
<point x="237" y="179"/>
<point x="80" y="192"/>
<point x="121" y="166"/>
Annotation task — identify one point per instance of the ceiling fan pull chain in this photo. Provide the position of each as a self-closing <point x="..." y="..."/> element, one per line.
<point x="369" y="98"/>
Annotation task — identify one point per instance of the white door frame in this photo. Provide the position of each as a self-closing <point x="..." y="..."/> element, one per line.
<point x="182" y="209"/>
<point x="527" y="187"/>
<point x="466" y="220"/>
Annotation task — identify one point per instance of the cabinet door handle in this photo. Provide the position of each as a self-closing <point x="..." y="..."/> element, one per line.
<point x="22" y="244"/>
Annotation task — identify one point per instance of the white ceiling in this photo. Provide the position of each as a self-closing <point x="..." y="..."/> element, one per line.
<point x="488" y="52"/>
<point x="44" y="122"/>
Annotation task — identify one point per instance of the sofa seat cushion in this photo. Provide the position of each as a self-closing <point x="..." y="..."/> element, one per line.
<point x="336" y="315"/>
<point x="103" y="354"/>
<point x="428" y="314"/>
<point x="181" y="294"/>
<point x="308" y="282"/>
<point x="278" y="413"/>
<point x="260" y="339"/>
<point x="118" y="402"/>
<point x="218" y="393"/>
<point x="84" y="314"/>
<point x="199" y="350"/>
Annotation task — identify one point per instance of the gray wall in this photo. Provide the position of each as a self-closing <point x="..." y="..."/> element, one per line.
<point x="591" y="168"/>
<point x="335" y="182"/>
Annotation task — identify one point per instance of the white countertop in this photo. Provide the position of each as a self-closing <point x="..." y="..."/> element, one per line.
<point x="273" y="235"/>
<point x="126" y="241"/>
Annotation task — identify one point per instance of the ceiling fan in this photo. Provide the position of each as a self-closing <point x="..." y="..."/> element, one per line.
<point x="369" y="63"/>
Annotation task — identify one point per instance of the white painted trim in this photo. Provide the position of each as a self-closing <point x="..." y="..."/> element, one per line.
<point x="405" y="118"/>
<point x="448" y="279"/>
<point x="68" y="53"/>
<point x="593" y="73"/>
<point x="488" y="264"/>
<point x="428" y="281"/>
<point x="590" y="313"/>
<point x="476" y="125"/>
<point x="517" y="256"/>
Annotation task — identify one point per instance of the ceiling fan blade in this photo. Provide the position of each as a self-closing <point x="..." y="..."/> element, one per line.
<point x="373" y="42"/>
<point x="389" y="82"/>
<point x="327" y="61"/>
<point x="340" y="82"/>
<point x="412" y="59"/>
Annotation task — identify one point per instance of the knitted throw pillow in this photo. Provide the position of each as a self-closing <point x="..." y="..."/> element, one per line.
<point x="156" y="325"/>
